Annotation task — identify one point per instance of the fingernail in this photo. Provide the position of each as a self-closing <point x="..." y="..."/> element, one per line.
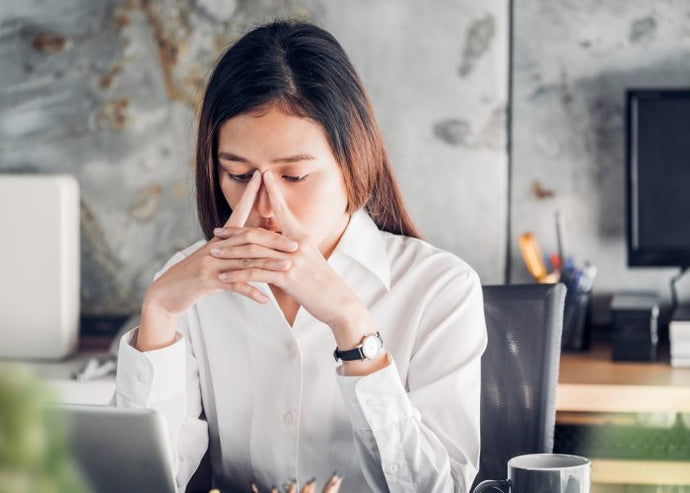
<point x="218" y="231"/>
<point x="284" y="264"/>
<point x="215" y="251"/>
<point x="268" y="176"/>
<point x="292" y="245"/>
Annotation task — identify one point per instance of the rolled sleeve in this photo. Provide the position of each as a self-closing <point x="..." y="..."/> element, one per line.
<point x="149" y="377"/>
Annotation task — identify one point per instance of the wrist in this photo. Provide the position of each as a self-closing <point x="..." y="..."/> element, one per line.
<point x="157" y="328"/>
<point x="351" y="325"/>
<point x="349" y="329"/>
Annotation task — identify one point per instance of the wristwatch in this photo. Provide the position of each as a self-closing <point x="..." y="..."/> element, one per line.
<point x="370" y="347"/>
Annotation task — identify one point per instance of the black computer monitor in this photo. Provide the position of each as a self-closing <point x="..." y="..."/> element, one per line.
<point x="658" y="177"/>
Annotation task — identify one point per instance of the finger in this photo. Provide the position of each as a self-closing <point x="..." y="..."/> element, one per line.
<point x="327" y="488"/>
<point x="288" y="223"/>
<point x="244" y="236"/>
<point x="310" y="486"/>
<point x="246" y="251"/>
<point x="333" y="486"/>
<point x="260" y="263"/>
<point x="274" y="489"/>
<point x="246" y="290"/>
<point x="336" y="486"/>
<point x="292" y="488"/>
<point x="255" y="489"/>
<point x="253" y="275"/>
<point x="243" y="207"/>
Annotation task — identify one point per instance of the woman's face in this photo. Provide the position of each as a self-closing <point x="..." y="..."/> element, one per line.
<point x="299" y="156"/>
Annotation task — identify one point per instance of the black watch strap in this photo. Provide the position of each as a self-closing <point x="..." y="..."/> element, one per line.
<point x="355" y="354"/>
<point x="349" y="355"/>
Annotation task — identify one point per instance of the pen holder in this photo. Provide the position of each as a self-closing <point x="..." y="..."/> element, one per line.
<point x="576" y="327"/>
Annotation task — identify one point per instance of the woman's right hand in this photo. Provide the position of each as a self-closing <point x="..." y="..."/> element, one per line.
<point x="197" y="275"/>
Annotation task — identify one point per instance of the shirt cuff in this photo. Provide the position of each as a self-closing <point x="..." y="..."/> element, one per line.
<point x="150" y="376"/>
<point x="376" y="400"/>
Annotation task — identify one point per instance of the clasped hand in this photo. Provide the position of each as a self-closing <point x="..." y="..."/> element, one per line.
<point x="290" y="262"/>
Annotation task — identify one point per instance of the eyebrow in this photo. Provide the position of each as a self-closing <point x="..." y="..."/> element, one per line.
<point x="228" y="156"/>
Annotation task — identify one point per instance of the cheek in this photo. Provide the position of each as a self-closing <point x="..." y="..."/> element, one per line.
<point x="317" y="200"/>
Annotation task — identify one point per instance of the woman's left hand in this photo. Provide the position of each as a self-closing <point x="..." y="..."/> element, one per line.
<point x="310" y="280"/>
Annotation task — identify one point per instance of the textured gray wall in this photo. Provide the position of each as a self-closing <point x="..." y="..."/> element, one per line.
<point x="107" y="91"/>
<point x="572" y="63"/>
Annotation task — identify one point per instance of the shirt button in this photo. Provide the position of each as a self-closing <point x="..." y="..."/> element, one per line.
<point x="141" y="377"/>
<point x="292" y="349"/>
<point x="287" y="418"/>
<point x="393" y="468"/>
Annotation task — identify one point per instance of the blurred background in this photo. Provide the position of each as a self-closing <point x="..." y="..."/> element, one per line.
<point x="108" y="90"/>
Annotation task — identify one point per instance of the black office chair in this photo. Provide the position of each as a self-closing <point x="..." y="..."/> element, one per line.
<point x="519" y="373"/>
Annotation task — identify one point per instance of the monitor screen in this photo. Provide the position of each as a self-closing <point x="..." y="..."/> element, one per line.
<point x="658" y="177"/>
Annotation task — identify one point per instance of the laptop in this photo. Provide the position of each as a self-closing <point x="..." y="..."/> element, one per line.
<point x="117" y="449"/>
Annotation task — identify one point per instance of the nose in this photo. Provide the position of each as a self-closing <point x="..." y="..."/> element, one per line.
<point x="262" y="204"/>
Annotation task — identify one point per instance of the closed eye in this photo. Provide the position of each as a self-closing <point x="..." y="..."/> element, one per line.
<point x="241" y="178"/>
<point x="295" y="179"/>
<point x="244" y="178"/>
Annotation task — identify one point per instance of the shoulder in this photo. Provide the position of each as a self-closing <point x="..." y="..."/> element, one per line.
<point x="179" y="256"/>
<point x="418" y="259"/>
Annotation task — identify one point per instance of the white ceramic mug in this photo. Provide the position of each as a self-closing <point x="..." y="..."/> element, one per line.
<point x="544" y="473"/>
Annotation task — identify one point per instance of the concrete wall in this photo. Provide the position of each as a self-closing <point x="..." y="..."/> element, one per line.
<point x="107" y="91"/>
<point x="572" y="64"/>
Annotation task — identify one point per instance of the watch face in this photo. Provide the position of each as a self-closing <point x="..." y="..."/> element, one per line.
<point x="371" y="346"/>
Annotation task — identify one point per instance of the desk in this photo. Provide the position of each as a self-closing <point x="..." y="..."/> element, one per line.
<point x="58" y="374"/>
<point x="591" y="384"/>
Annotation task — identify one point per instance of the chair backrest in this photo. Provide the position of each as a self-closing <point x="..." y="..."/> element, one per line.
<point x="519" y="373"/>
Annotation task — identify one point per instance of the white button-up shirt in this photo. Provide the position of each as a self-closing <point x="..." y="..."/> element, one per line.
<point x="275" y="405"/>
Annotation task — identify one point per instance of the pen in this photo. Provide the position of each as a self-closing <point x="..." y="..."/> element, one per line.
<point x="560" y="235"/>
<point x="587" y="279"/>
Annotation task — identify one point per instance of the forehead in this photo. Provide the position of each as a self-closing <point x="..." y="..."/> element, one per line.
<point x="272" y="131"/>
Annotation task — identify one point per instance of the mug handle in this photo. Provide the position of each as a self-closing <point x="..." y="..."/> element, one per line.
<point x="491" y="483"/>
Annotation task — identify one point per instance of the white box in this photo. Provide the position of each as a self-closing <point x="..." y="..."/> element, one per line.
<point x="39" y="266"/>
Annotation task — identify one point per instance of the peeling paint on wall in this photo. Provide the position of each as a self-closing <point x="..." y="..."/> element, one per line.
<point x="541" y="193"/>
<point x="145" y="203"/>
<point x="453" y="131"/>
<point x="458" y="132"/>
<point x="49" y="43"/>
<point x="107" y="91"/>
<point x="643" y="30"/>
<point x="114" y="114"/>
<point x="477" y="42"/>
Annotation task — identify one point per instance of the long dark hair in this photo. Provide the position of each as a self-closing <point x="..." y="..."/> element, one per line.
<point x="304" y="69"/>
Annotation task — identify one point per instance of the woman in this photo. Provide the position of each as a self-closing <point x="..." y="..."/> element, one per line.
<point x="248" y="341"/>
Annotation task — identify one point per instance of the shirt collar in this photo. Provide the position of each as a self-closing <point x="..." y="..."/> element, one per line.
<point x="362" y="242"/>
